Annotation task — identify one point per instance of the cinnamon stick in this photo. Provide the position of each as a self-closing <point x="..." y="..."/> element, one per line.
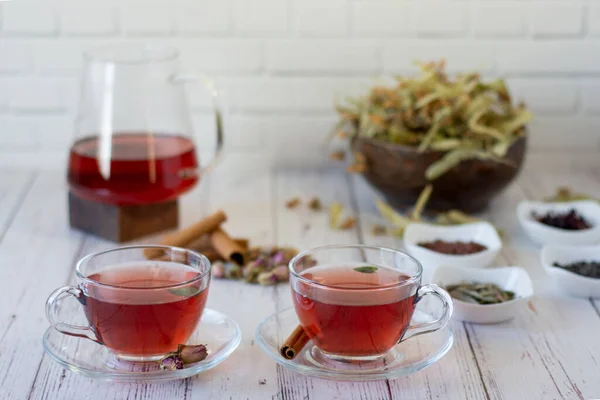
<point x="185" y="236"/>
<point x="294" y="343"/>
<point x="228" y="248"/>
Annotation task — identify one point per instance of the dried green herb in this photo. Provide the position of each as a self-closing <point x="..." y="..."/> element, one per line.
<point x="465" y="116"/>
<point x="400" y="222"/>
<point x="480" y="293"/>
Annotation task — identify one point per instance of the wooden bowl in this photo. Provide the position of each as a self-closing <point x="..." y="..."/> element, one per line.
<point x="398" y="172"/>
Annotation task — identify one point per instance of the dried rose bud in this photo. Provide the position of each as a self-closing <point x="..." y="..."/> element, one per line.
<point x="267" y="278"/>
<point x="292" y="203"/>
<point x="192" y="354"/>
<point x="279" y="257"/>
<point x="171" y="362"/>
<point x="218" y="269"/>
<point x="233" y="271"/>
<point x="282" y="273"/>
<point x="252" y="271"/>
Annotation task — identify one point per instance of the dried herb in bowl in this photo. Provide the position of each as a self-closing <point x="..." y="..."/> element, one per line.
<point x="589" y="269"/>
<point x="479" y="293"/>
<point x="570" y="220"/>
<point x="455" y="248"/>
<point x="463" y="116"/>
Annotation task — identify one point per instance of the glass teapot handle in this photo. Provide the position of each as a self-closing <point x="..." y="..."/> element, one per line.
<point x="214" y="93"/>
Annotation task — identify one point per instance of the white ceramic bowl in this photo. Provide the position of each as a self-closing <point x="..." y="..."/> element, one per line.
<point x="570" y="282"/>
<point x="514" y="279"/>
<point x="480" y="232"/>
<point x="545" y="234"/>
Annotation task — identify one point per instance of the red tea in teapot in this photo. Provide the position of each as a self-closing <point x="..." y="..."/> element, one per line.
<point x="132" y="168"/>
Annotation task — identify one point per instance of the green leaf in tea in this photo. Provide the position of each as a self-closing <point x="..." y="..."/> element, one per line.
<point x="185" y="291"/>
<point x="367" y="269"/>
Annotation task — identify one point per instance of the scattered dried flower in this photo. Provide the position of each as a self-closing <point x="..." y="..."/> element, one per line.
<point x="265" y="265"/>
<point x="335" y="212"/>
<point x="339" y="155"/>
<point x="266" y="278"/>
<point x="315" y="204"/>
<point x="360" y="164"/>
<point x="348" y="223"/>
<point x="378" y="230"/>
<point x="233" y="271"/>
<point x="192" y="353"/>
<point x="282" y="273"/>
<point x="171" y="362"/>
<point x="218" y="269"/>
<point x="292" y="203"/>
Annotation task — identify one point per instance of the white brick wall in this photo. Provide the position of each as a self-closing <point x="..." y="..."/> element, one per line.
<point x="282" y="63"/>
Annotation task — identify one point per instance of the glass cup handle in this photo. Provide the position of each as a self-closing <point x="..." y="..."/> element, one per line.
<point x="214" y="93"/>
<point x="53" y="306"/>
<point x="419" y="329"/>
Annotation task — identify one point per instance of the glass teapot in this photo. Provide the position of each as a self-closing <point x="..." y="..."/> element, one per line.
<point x="134" y="138"/>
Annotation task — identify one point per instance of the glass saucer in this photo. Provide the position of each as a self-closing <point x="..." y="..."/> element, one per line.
<point x="217" y="331"/>
<point x="404" y="359"/>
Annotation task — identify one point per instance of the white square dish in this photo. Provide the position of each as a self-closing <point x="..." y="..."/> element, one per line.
<point x="481" y="232"/>
<point x="514" y="279"/>
<point x="566" y="281"/>
<point x="545" y="234"/>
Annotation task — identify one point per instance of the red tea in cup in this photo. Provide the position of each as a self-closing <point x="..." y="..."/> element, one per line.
<point x="345" y="321"/>
<point x="356" y="303"/>
<point x="146" y="322"/>
<point x="139" y="309"/>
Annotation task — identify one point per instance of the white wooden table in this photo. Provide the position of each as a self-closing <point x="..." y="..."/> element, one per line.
<point x="550" y="351"/>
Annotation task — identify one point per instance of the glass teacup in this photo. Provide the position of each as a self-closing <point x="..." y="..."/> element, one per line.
<point x="356" y="302"/>
<point x="140" y="309"/>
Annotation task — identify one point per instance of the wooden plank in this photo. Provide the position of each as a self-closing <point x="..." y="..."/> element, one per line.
<point x="32" y="266"/>
<point x="242" y="186"/>
<point x="53" y="382"/>
<point x="456" y="375"/>
<point x="544" y="352"/>
<point x="44" y="210"/>
<point x="238" y="376"/>
<point x="14" y="185"/>
<point x="306" y="229"/>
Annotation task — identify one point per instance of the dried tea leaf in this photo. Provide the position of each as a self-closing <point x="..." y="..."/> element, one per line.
<point x="367" y="269"/>
<point x="335" y="212"/>
<point x="292" y="203"/>
<point x="455" y="157"/>
<point x="391" y="215"/>
<point x="421" y="202"/>
<point x="445" y="144"/>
